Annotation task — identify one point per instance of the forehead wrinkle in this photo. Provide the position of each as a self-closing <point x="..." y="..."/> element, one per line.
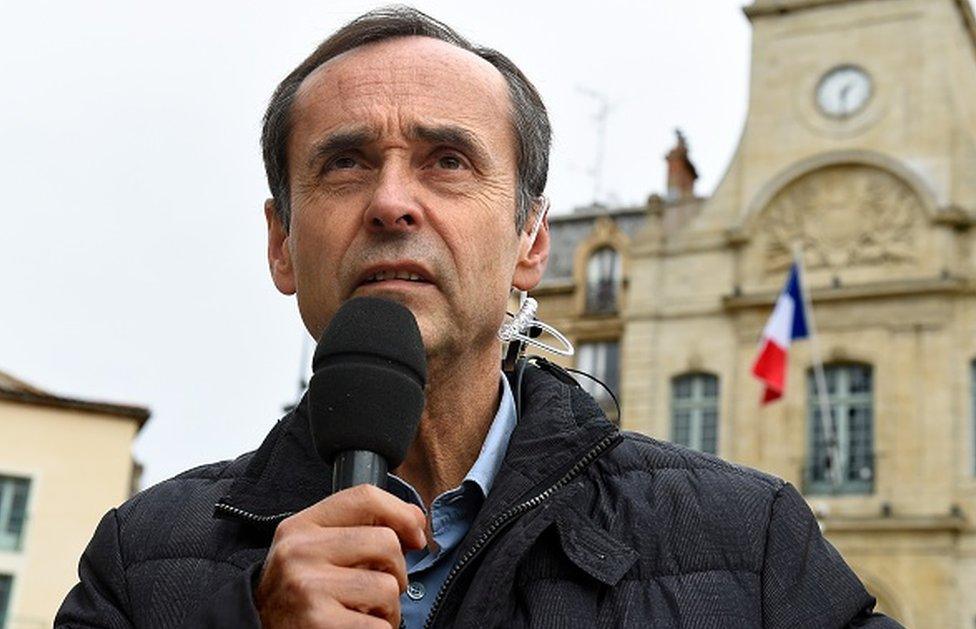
<point x="364" y="95"/>
<point x="407" y="65"/>
<point x="451" y="85"/>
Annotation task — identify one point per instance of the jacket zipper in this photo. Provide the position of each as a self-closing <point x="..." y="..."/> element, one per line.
<point x="506" y="517"/>
<point x="253" y="517"/>
<point x="493" y="528"/>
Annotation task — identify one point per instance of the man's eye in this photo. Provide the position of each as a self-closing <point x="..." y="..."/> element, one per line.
<point x="342" y="163"/>
<point x="450" y="162"/>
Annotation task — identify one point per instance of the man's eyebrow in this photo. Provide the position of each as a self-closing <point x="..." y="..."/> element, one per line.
<point x="453" y="135"/>
<point x="339" y="141"/>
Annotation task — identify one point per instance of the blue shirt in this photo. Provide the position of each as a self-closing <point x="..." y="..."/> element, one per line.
<point x="451" y="515"/>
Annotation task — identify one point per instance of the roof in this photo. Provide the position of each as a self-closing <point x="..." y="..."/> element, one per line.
<point x="567" y="231"/>
<point x="779" y="7"/>
<point x="8" y="382"/>
<point x="15" y="390"/>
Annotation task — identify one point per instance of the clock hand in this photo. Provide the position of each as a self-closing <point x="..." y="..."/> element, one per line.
<point x="844" y="91"/>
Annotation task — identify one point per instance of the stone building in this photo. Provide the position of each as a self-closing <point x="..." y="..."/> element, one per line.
<point x="859" y="149"/>
<point x="64" y="462"/>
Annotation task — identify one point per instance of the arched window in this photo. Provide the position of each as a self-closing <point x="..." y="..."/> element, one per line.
<point x="602" y="361"/>
<point x="694" y="411"/>
<point x="602" y="281"/>
<point x="850" y="394"/>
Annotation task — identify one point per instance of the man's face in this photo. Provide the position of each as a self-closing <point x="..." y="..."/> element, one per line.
<point x="403" y="185"/>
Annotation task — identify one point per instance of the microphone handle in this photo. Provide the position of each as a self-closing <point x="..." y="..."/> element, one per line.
<point x="358" y="467"/>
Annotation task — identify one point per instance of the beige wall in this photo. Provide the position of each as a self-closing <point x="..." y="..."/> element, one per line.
<point x="79" y="464"/>
<point x="883" y="203"/>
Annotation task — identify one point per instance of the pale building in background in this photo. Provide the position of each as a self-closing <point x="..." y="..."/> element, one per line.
<point x="63" y="463"/>
<point x="859" y="146"/>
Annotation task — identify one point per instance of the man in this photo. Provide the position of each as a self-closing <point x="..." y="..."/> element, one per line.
<point x="405" y="163"/>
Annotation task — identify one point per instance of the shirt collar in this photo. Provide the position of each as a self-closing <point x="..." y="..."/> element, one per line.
<point x="482" y="473"/>
<point x="485" y="467"/>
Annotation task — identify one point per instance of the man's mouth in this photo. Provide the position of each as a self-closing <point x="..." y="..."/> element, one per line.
<point x="401" y="271"/>
<point x="381" y="276"/>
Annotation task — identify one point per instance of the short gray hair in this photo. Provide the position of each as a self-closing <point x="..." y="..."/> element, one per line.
<point x="529" y="119"/>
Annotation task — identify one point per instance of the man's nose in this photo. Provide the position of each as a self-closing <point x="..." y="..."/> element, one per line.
<point x="393" y="207"/>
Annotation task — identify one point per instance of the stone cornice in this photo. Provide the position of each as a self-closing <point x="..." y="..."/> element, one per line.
<point x="692" y="244"/>
<point x="969" y="21"/>
<point x="559" y="287"/>
<point x="588" y="214"/>
<point x="593" y="329"/>
<point x="873" y="290"/>
<point x="763" y="8"/>
<point x="895" y="523"/>
<point x="953" y="216"/>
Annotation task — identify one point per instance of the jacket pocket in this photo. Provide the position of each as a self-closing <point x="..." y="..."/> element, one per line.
<point x="593" y="550"/>
<point x="567" y="578"/>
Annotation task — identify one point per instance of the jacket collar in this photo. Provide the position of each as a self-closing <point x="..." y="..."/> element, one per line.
<point x="559" y="424"/>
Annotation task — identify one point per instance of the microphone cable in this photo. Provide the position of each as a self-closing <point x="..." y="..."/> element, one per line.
<point x="561" y="373"/>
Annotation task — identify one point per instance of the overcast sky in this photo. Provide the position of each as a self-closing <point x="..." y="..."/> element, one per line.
<point x="133" y="233"/>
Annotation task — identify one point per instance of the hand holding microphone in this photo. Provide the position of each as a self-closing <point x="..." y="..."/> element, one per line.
<point x="340" y="562"/>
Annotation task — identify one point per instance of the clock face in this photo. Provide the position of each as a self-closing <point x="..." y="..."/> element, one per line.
<point x="843" y="91"/>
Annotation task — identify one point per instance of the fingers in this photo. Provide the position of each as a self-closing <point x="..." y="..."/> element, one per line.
<point x="329" y="614"/>
<point x="368" y="592"/>
<point x="366" y="505"/>
<point x="340" y="562"/>
<point x="294" y="592"/>
<point x="339" y="616"/>
<point x="370" y="547"/>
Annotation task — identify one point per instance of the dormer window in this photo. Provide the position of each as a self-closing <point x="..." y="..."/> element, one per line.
<point x="602" y="281"/>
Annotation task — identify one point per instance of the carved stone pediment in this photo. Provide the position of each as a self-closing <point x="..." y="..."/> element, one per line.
<point x="843" y="216"/>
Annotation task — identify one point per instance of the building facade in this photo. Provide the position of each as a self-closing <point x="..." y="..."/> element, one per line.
<point x="64" y="462"/>
<point x="858" y="154"/>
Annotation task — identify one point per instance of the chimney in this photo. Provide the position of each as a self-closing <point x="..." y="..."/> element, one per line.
<point x="681" y="172"/>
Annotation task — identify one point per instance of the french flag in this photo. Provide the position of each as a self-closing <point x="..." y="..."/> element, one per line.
<point x="788" y="323"/>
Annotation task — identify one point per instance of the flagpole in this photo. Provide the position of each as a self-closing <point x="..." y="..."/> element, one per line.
<point x="820" y="379"/>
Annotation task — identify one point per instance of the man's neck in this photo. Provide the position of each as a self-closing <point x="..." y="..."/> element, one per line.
<point x="462" y="398"/>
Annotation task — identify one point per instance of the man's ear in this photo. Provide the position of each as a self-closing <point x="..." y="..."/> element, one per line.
<point x="533" y="255"/>
<point x="279" y="253"/>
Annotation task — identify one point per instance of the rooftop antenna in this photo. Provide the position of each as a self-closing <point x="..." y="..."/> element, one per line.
<point x="600" y="117"/>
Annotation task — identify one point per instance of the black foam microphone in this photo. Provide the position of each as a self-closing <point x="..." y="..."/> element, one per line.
<point x="367" y="390"/>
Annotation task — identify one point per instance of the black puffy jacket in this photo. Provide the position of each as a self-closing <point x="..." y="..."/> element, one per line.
<point x="584" y="527"/>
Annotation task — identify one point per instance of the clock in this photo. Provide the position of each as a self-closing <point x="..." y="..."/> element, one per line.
<point x="843" y="91"/>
